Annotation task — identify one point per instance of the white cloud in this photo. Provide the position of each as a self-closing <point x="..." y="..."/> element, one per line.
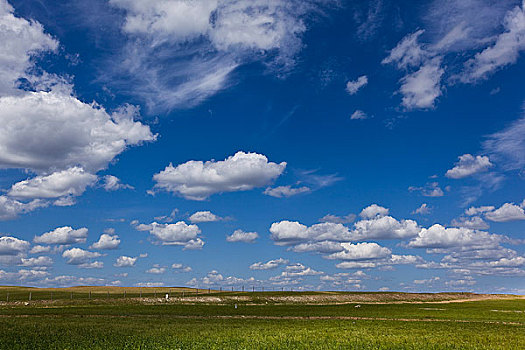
<point x="69" y="132"/>
<point x="505" y="50"/>
<point x="338" y="219"/>
<point x="70" y="182"/>
<point x="384" y="227"/>
<point x="424" y="209"/>
<point x="241" y="236"/>
<point x="438" y="236"/>
<point x="39" y="261"/>
<point x="92" y="265"/>
<point x="106" y="241"/>
<point x="421" y="88"/>
<point x="318" y="247"/>
<point x="180" y="268"/>
<point x="285" y="191"/>
<point x="479" y="210"/>
<point x="507" y="147"/>
<point x="352" y="87"/>
<point x="408" y="52"/>
<point x="12" y="245"/>
<point x="469" y="165"/>
<point x="10" y="208"/>
<point x="156" y="270"/>
<point x="361" y="251"/>
<point x="474" y="222"/>
<point x="507" y="212"/>
<point x="359" y="115"/>
<point x="179" y="233"/>
<point x="77" y="256"/>
<point x="373" y="211"/>
<point x="113" y="183"/>
<point x="209" y="39"/>
<point x="20" y="41"/>
<point x="125" y="261"/>
<point x="272" y="264"/>
<point x="204" y="216"/>
<point x="198" y="180"/>
<point x="386" y="262"/>
<point x="37" y="249"/>
<point x="292" y="232"/>
<point x="431" y="189"/>
<point x="63" y="235"/>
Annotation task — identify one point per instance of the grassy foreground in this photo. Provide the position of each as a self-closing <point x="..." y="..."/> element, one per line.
<point x="258" y="324"/>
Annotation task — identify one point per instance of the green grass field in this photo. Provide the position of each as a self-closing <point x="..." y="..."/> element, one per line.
<point x="260" y="321"/>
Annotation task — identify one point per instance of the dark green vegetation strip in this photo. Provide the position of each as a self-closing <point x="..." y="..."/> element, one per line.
<point x="173" y="326"/>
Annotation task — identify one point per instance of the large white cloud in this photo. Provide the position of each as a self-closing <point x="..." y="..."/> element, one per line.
<point x="12" y="245"/>
<point x="384" y="227"/>
<point x="181" y="52"/>
<point x="361" y="251"/>
<point x="292" y="232"/>
<point x="178" y="233"/>
<point x="70" y="182"/>
<point x="468" y="165"/>
<point x="77" y="256"/>
<point x="106" y="241"/>
<point x="20" y="40"/>
<point x="50" y="131"/>
<point x="507" y="212"/>
<point x="63" y="235"/>
<point x="373" y="211"/>
<point x="438" y="236"/>
<point x="198" y="180"/>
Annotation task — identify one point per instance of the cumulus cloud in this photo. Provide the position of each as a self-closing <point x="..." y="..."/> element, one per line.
<point x="204" y="216"/>
<point x="178" y="233"/>
<point x="469" y="165"/>
<point x="358" y="115"/>
<point x="241" y="236"/>
<point x="292" y="232"/>
<point x="113" y="183"/>
<point x="77" y="256"/>
<point x="156" y="270"/>
<point x="361" y="251"/>
<point x="10" y="208"/>
<point x="39" y="261"/>
<point x="286" y="191"/>
<point x="198" y="180"/>
<point x="386" y="262"/>
<point x="63" y="235"/>
<point x="12" y="245"/>
<point x="384" y="227"/>
<point x="507" y="212"/>
<point x="271" y="264"/>
<point x="438" y="236"/>
<point x="352" y="87"/>
<point x="70" y="182"/>
<point x="479" y="210"/>
<point x="505" y="50"/>
<point x="373" y="211"/>
<point x="125" y="261"/>
<point x="106" y="241"/>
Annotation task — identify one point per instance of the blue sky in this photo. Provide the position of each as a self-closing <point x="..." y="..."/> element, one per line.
<point x="334" y="145"/>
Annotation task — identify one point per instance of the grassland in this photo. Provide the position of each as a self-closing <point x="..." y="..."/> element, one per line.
<point x="270" y="320"/>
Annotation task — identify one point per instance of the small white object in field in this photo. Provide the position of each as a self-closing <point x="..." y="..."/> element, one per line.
<point x="235" y="305"/>
<point x="357" y="306"/>
<point x="167" y="296"/>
